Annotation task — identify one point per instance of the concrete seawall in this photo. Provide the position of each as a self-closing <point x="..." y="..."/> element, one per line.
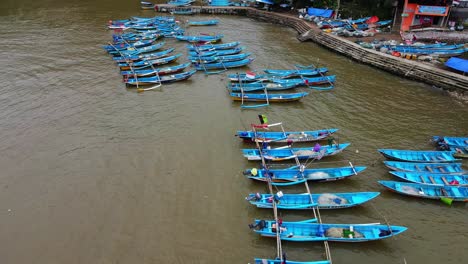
<point x="307" y="31"/>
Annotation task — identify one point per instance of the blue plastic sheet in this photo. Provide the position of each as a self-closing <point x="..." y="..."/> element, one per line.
<point x="457" y="64"/>
<point x="319" y="12"/>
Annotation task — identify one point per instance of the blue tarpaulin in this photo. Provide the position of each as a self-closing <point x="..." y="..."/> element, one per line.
<point x="457" y="64"/>
<point x="319" y="12"/>
<point x="268" y="2"/>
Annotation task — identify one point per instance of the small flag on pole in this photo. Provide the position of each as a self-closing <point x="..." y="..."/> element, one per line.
<point x="250" y="75"/>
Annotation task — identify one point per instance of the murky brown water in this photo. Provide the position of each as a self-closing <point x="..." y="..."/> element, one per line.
<point x="94" y="173"/>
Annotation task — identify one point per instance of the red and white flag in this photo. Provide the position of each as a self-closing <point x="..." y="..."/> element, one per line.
<point x="250" y="75"/>
<point x="455" y="3"/>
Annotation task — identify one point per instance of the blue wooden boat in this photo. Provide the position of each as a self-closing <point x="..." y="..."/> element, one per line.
<point x="182" y="12"/>
<point x="304" y="201"/>
<point x="146" y="5"/>
<point x="272" y="98"/>
<point x="210" y="22"/>
<point x="162" y="79"/>
<point x="428" y="48"/>
<point x="451" y="141"/>
<point x="145" y="56"/>
<point x="222" y="65"/>
<point x="135" y="37"/>
<point x="455" y="193"/>
<point x="125" y="46"/>
<point x="295" y="175"/>
<point x="201" y="38"/>
<point x="223" y="52"/>
<point x="260" y="86"/>
<point x="132" y="52"/>
<point x="212" y="59"/>
<point x="295" y="72"/>
<point x="281" y="154"/>
<point x="450" y="168"/>
<point x="140" y="65"/>
<point x="286" y="136"/>
<point x="180" y="2"/>
<point x="418" y="155"/>
<point x="432" y="178"/>
<point x="156" y="71"/>
<point x="308" y="231"/>
<point x="207" y="47"/>
<point x="308" y="80"/>
<point x="278" y="261"/>
<point x="439" y="53"/>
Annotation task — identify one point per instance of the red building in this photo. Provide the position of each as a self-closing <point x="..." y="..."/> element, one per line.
<point x="424" y="13"/>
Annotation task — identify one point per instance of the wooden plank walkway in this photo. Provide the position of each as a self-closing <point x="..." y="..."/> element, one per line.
<point x="307" y="31"/>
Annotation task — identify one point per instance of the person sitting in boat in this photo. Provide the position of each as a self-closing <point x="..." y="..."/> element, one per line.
<point x="331" y="142"/>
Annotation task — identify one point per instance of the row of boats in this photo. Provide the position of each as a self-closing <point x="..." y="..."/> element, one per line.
<point x="311" y="229"/>
<point x="429" y="174"/>
<point x="270" y="85"/>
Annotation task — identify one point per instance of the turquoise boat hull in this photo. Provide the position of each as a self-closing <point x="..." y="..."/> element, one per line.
<point x="418" y="155"/>
<point x="294" y="176"/>
<point x="432" y="178"/>
<point x="426" y="167"/>
<point x="287" y="136"/>
<point x="455" y="193"/>
<point x="305" y="201"/>
<point x="291" y="153"/>
<point x="312" y="232"/>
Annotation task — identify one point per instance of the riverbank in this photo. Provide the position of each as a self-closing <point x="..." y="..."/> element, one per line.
<point x="307" y="31"/>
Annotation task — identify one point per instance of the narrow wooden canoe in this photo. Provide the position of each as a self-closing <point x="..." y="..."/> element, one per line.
<point x="291" y="153"/>
<point x="207" y="38"/>
<point x="296" y="72"/>
<point x="418" y="155"/>
<point x="159" y="71"/>
<point x="294" y="176"/>
<point x="286" y="136"/>
<point x="272" y="98"/>
<point x="307" y="231"/>
<point x="268" y="77"/>
<point x="432" y="178"/>
<point x="222" y="65"/>
<point x="210" y="22"/>
<point x="304" y="201"/>
<point x="147" y="63"/>
<point x="147" y="56"/>
<point x="451" y="141"/>
<point x="456" y="193"/>
<point x="217" y="58"/>
<point x="210" y="46"/>
<point x="278" y="261"/>
<point x="222" y="52"/>
<point x="426" y="167"/>
<point x="251" y="87"/>
<point x="163" y="79"/>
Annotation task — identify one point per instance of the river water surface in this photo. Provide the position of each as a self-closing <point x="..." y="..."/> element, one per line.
<point x="94" y="173"/>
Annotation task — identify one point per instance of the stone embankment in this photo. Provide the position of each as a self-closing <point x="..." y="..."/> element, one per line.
<point x="308" y="32"/>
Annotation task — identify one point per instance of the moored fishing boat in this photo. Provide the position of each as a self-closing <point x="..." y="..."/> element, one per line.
<point x="222" y="65"/>
<point x="454" y="193"/>
<point x="162" y="79"/>
<point x="201" y="38"/>
<point x="210" y="46"/>
<point x="139" y="65"/>
<point x="426" y="167"/>
<point x="212" y="59"/>
<point x="145" y="56"/>
<point x="156" y="71"/>
<point x="279" y="261"/>
<point x="260" y="86"/>
<point x="296" y="175"/>
<point x="304" y="201"/>
<point x="134" y="51"/>
<point x="308" y="231"/>
<point x="418" y="155"/>
<point x="216" y="52"/>
<point x="286" y="136"/>
<point x="281" y="154"/>
<point x="277" y="98"/>
<point x="296" y="72"/>
<point x="432" y="178"/>
<point x="210" y="22"/>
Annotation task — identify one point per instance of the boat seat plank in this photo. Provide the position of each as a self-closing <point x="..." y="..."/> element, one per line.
<point x="445" y="181"/>
<point x="432" y="180"/>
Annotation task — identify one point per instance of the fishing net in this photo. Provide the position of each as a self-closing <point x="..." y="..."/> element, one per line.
<point x="318" y="175"/>
<point x="409" y="190"/>
<point x="331" y="199"/>
<point x="339" y="232"/>
<point x="301" y="135"/>
<point x="305" y="153"/>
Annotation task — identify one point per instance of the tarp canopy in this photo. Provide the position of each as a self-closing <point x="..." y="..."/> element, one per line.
<point x="457" y="64"/>
<point x="268" y="2"/>
<point x="319" y="12"/>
